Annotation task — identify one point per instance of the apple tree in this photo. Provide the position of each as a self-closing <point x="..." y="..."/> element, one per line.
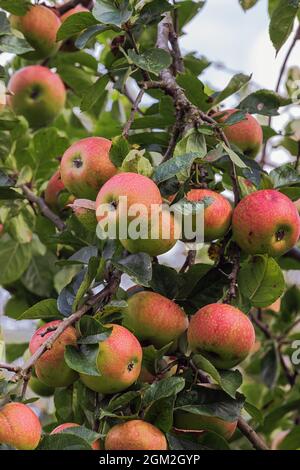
<point x="98" y="102"/>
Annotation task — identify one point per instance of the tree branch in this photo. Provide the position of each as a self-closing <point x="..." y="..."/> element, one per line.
<point x="134" y="110"/>
<point x="102" y="297"/>
<point x="9" y="367"/>
<point x="251" y="435"/>
<point x="190" y="260"/>
<point x="39" y="201"/>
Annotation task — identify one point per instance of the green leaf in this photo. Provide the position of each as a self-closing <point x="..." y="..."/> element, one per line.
<point x="14" y="258"/>
<point x="160" y="413"/>
<point x="263" y="102"/>
<point x="63" y="441"/>
<point x="38" y="278"/>
<point x="107" y="12"/>
<point x="89" y="33"/>
<point x="14" y="44"/>
<point x="194" y="90"/>
<point x="270" y="367"/>
<point x="285" y="175"/>
<point x="282" y="21"/>
<point x="120" y="401"/>
<point x="165" y="280"/>
<point x="16" y="7"/>
<point x="173" y="166"/>
<point x="254" y="412"/>
<point x="44" y="309"/>
<point x="182" y="443"/>
<point x="94" y="93"/>
<point x="9" y="194"/>
<point x="274" y="417"/>
<point x="234" y="157"/>
<point x="291" y="441"/>
<point x="92" y="331"/>
<point x="229" y="381"/>
<point x="87" y="281"/>
<point x="236" y="83"/>
<point x="119" y="149"/>
<point x="164" y="388"/>
<point x="5" y="180"/>
<point x="137" y="266"/>
<point x="74" y="24"/>
<point x="152" y="60"/>
<point x="193" y="142"/>
<point x="261" y="281"/>
<point x="151" y="12"/>
<point x="210" y="402"/>
<point x="83" y="359"/>
<point x="247" y="4"/>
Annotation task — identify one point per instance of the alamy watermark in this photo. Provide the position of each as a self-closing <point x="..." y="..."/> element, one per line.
<point x="181" y="221"/>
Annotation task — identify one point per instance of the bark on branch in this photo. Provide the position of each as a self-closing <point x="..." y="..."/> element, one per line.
<point x="251" y="435"/>
<point x="45" y="210"/>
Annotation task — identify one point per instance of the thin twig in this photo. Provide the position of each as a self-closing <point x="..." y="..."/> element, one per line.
<point x="232" y="291"/>
<point x="39" y="201"/>
<point x="251" y="435"/>
<point x="9" y="367"/>
<point x="190" y="260"/>
<point x="264" y="328"/>
<point x="134" y="109"/>
<point x="281" y="74"/>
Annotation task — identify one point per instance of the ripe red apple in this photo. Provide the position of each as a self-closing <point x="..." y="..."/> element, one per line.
<point x="217" y="214"/>
<point x="125" y="200"/>
<point x="54" y="187"/>
<point x="36" y="93"/>
<point x="19" y="426"/>
<point x="154" y="319"/>
<point x="95" y="446"/>
<point x="191" y="422"/>
<point x="39" y="26"/>
<point x="221" y="333"/>
<point x="167" y="235"/>
<point x="138" y="189"/>
<point x="73" y="11"/>
<point x="86" y="166"/>
<point x="135" y="435"/>
<point x="247" y="135"/>
<point x="119" y="362"/>
<point x="51" y="367"/>
<point x="266" y="222"/>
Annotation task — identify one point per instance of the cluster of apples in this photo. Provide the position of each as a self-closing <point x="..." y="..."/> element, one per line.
<point x="221" y="332"/>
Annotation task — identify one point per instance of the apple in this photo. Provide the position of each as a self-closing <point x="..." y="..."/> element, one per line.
<point x="73" y="11"/>
<point x="217" y="214"/>
<point x="54" y="188"/>
<point x="192" y="422"/>
<point x="247" y="135"/>
<point x="19" y="426"/>
<point x="39" y="26"/>
<point x="51" y="368"/>
<point x="86" y="166"/>
<point x="119" y="362"/>
<point x="135" y="435"/>
<point x="266" y="222"/>
<point x="154" y="319"/>
<point x="221" y="333"/>
<point x="36" y="93"/>
<point x="39" y="388"/>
